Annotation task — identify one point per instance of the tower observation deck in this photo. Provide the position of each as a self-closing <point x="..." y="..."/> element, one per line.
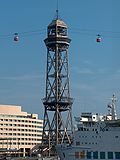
<point x="57" y="125"/>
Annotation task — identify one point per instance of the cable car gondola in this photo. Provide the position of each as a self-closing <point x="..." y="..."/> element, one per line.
<point x="98" y="38"/>
<point x="16" y="37"/>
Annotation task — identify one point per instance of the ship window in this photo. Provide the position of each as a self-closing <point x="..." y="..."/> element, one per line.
<point x="88" y="155"/>
<point x="95" y="155"/>
<point x="102" y="155"/>
<point x="117" y="155"/>
<point x="63" y="154"/>
<point x="76" y="154"/>
<point x="77" y="143"/>
<point x="110" y="155"/>
<point x="82" y="155"/>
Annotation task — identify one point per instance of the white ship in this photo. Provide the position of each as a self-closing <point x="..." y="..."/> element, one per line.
<point x="97" y="137"/>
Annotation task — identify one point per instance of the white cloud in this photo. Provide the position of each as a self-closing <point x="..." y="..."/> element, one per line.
<point x="83" y="70"/>
<point x="22" y="77"/>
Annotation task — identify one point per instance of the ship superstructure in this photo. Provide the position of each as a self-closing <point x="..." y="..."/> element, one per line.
<point x="97" y="137"/>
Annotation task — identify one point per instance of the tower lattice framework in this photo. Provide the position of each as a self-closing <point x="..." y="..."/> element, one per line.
<point x="57" y="125"/>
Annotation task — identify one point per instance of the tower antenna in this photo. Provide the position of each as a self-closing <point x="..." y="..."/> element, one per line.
<point x="57" y="10"/>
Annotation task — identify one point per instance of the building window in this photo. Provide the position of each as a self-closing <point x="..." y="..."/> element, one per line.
<point x="110" y="155"/>
<point x="102" y="155"/>
<point x="5" y="133"/>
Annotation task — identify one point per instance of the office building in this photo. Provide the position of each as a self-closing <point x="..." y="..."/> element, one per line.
<point x="19" y="130"/>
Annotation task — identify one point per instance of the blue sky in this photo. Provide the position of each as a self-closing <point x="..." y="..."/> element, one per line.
<point x="94" y="68"/>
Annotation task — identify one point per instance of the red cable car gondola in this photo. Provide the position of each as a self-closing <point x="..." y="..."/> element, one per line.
<point x="98" y="39"/>
<point x="16" y="37"/>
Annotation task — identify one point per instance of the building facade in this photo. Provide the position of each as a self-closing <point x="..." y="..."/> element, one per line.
<point x="19" y="130"/>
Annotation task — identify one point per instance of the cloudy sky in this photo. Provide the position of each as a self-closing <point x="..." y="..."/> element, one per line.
<point x="94" y="67"/>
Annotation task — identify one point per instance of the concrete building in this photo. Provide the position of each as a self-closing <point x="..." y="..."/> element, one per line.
<point x="19" y="130"/>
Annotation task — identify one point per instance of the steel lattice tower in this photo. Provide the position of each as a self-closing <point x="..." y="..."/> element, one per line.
<point x="57" y="125"/>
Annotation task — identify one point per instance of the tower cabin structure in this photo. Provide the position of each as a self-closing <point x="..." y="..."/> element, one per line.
<point x="57" y="125"/>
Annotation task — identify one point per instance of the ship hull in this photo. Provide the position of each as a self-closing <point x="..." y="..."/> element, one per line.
<point x="72" y="152"/>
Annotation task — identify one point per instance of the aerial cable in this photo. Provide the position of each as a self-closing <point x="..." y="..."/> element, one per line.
<point x="26" y="33"/>
<point x="78" y="31"/>
<point x="94" y="30"/>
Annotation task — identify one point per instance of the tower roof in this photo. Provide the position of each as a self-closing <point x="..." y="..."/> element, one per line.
<point x="57" y="22"/>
